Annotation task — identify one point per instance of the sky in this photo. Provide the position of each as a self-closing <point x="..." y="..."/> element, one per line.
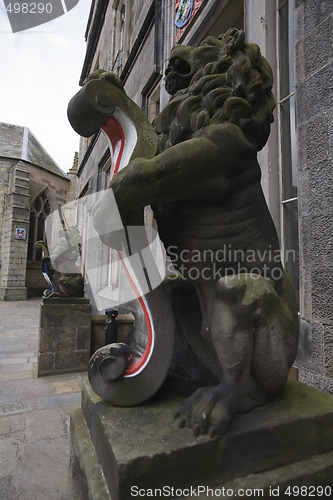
<point x="40" y="72"/>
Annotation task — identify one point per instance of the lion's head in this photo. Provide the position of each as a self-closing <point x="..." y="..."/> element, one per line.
<point x="223" y="79"/>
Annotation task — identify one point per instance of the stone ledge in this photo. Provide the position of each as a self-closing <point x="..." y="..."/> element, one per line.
<point x="55" y="301"/>
<point x="84" y="463"/>
<point x="143" y="446"/>
<point x="310" y="472"/>
<point x="13" y="293"/>
<point x="87" y="481"/>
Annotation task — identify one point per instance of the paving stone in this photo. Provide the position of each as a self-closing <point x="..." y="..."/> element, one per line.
<point x="35" y="391"/>
<point x="10" y="453"/>
<point x="11" y="426"/>
<point x="15" y="376"/>
<point x="21" y="367"/>
<point x="7" y="488"/>
<point x="16" y="408"/>
<point x="24" y="384"/>
<point x="13" y="361"/>
<point x="44" y="475"/>
<point x="34" y="412"/>
<point x="67" y="386"/>
<point x="25" y="354"/>
<point x="66" y="412"/>
<point x="58" y="400"/>
<point x="9" y="396"/>
<point x="42" y="424"/>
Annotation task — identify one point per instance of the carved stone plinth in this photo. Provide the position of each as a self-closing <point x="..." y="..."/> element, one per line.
<point x="118" y="453"/>
<point x="64" y="335"/>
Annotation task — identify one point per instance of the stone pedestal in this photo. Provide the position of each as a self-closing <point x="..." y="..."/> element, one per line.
<point x="120" y="453"/>
<point x="64" y="335"/>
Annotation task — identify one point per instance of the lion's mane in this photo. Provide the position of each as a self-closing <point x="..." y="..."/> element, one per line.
<point x="235" y="88"/>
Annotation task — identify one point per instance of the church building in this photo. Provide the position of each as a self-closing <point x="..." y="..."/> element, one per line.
<point x="32" y="186"/>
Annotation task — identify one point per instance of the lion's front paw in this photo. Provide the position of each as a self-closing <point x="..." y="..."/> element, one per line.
<point x="208" y="410"/>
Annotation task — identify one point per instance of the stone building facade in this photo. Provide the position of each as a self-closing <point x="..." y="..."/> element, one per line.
<point x="32" y="185"/>
<point x="314" y="119"/>
<point x="134" y="39"/>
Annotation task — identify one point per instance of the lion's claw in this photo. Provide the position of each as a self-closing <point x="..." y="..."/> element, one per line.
<point x="182" y="422"/>
<point x="196" y="430"/>
<point x="208" y="411"/>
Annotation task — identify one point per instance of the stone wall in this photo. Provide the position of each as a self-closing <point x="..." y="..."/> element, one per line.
<point x="34" y="280"/>
<point x="57" y="186"/>
<point x="14" y="246"/>
<point x="20" y="182"/>
<point x="5" y="166"/>
<point x="143" y="68"/>
<point x="64" y="335"/>
<point x="314" y="118"/>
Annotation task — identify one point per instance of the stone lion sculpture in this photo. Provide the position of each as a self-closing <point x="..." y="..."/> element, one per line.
<point x="234" y="304"/>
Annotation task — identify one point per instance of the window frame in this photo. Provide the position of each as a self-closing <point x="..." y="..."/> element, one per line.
<point x="287" y="161"/>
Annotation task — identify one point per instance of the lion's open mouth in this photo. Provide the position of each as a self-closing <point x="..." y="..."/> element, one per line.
<point x="178" y="74"/>
<point x="179" y="65"/>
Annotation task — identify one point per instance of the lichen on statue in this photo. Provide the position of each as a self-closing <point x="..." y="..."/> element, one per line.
<point x="234" y="305"/>
<point x="222" y="80"/>
<point x="245" y="338"/>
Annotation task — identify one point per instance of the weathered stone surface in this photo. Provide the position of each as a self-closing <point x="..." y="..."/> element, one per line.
<point x="317" y="48"/>
<point x="209" y="133"/>
<point x="322" y="294"/>
<point x="86" y="478"/>
<point x="328" y="351"/>
<point x="320" y="189"/>
<point x="40" y="457"/>
<point x="319" y="83"/>
<point x="143" y="446"/>
<point x="16" y="214"/>
<point x="312" y="14"/>
<point x="310" y="472"/>
<point x="310" y="354"/>
<point x="13" y="293"/>
<point x="318" y="381"/>
<point x="64" y="335"/>
<point x="313" y="78"/>
<point x="41" y="424"/>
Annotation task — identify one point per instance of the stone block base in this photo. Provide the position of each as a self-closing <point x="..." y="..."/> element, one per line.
<point x="13" y="293"/>
<point x="119" y="453"/>
<point x="64" y="335"/>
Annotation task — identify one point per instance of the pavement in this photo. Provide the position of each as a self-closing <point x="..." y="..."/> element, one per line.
<point x="34" y="412"/>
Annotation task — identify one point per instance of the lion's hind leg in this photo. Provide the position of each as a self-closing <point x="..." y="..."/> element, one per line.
<point x="254" y="331"/>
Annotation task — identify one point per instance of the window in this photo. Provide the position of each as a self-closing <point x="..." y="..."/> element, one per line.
<point x="108" y="258"/>
<point x="119" y="40"/>
<point x="154" y="103"/>
<point x="83" y="225"/>
<point x="287" y="140"/>
<point x="40" y="209"/>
